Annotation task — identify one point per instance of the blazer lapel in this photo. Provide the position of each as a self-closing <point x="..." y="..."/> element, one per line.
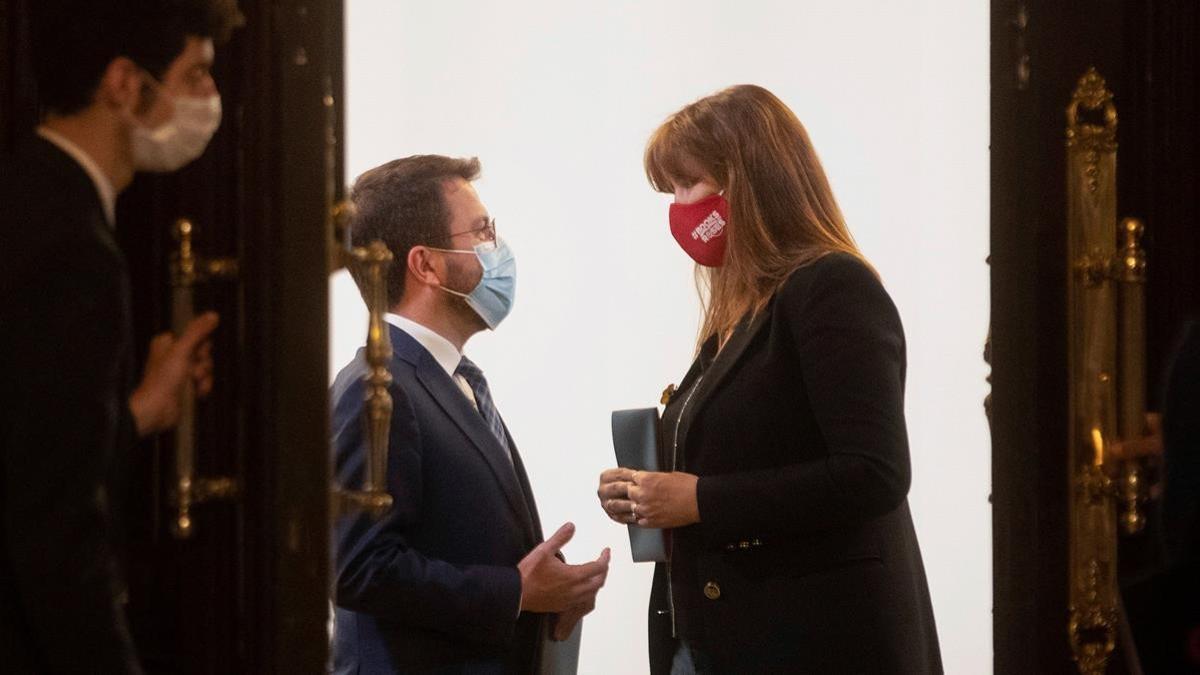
<point x="697" y="366"/>
<point x="459" y="409"/>
<point x="535" y="522"/>
<point x="711" y="379"/>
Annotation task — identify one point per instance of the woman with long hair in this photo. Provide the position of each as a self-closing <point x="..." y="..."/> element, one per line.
<point x="784" y="448"/>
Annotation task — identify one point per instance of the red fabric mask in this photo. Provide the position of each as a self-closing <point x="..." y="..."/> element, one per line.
<point x="699" y="228"/>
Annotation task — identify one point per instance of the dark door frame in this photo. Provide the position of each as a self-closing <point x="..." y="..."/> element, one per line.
<point x="1147" y="52"/>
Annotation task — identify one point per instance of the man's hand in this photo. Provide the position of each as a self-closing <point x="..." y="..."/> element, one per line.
<point x="1149" y="445"/>
<point x="564" y="623"/>
<point x="172" y="364"/>
<point x="549" y="585"/>
<point x="649" y="498"/>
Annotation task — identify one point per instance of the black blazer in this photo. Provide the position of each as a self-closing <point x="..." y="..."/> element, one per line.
<point x="432" y="586"/>
<point x="65" y="426"/>
<point x="805" y="559"/>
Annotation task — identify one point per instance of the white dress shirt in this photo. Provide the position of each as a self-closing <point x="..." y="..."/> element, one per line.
<point x="442" y="351"/>
<point x="104" y="187"/>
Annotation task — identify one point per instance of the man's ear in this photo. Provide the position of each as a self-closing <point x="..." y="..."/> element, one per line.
<point x="123" y="86"/>
<point x="425" y="267"/>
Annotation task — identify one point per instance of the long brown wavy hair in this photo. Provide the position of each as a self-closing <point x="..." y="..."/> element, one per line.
<point x="782" y="213"/>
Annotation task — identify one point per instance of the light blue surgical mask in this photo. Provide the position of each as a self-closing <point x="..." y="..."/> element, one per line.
<point x="492" y="298"/>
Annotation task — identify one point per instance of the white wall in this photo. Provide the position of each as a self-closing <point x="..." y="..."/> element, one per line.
<point x="558" y="98"/>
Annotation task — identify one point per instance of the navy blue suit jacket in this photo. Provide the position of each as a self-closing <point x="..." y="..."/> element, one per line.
<point x="432" y="586"/>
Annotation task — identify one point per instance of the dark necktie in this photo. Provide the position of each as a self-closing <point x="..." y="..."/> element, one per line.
<point x="483" y="401"/>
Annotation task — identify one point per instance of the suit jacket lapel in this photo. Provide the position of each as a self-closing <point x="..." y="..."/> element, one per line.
<point x="716" y="373"/>
<point x="459" y="409"/>
<point x="535" y="522"/>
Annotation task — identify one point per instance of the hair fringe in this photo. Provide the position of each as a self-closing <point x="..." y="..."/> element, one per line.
<point x="783" y="214"/>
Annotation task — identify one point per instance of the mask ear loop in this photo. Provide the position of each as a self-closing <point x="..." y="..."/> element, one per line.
<point x="148" y="83"/>
<point x="151" y="83"/>
<point x="442" y="286"/>
<point x="451" y="291"/>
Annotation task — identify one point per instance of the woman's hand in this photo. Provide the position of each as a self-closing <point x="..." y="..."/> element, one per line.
<point x="649" y="498"/>
<point x="614" y="495"/>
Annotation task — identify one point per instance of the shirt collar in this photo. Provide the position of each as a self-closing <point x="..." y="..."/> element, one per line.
<point x="104" y="187"/>
<point x="445" y="353"/>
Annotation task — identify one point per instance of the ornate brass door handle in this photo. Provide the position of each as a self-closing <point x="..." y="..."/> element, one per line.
<point x="370" y="265"/>
<point x="187" y="270"/>
<point x="1106" y="333"/>
<point x="1130" y="272"/>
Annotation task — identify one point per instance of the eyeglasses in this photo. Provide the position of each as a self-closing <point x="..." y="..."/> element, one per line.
<point x="485" y="233"/>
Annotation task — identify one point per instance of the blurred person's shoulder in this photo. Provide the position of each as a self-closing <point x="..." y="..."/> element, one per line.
<point x="45" y="189"/>
<point x="52" y="216"/>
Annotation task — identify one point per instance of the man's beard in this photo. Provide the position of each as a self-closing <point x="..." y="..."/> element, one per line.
<point x="463" y="281"/>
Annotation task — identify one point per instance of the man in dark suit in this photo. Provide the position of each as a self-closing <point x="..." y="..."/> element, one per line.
<point x="453" y="578"/>
<point x="119" y="82"/>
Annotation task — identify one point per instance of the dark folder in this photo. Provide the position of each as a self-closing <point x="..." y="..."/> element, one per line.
<point x="560" y="658"/>
<point x="635" y="439"/>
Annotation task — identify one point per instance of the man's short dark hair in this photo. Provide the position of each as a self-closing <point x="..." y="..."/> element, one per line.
<point x="74" y="41"/>
<point x="403" y="203"/>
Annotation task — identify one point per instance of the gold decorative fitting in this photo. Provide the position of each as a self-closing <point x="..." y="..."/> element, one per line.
<point x="1106" y="269"/>
<point x="667" y="394"/>
<point x="1091" y="240"/>
<point x="1133" y="256"/>
<point x="1092" y="141"/>
<point x="187" y="270"/>
<point x="188" y="493"/>
<point x="1092" y="94"/>
<point x="348" y="501"/>
<point x="712" y="590"/>
<point x="1130" y="272"/>
<point x="1091" y="655"/>
<point x="185" y="262"/>
<point x="1132" y="519"/>
<point x="1094" y="269"/>
<point x="341" y="216"/>
<point x="371" y="269"/>
<point x="743" y="545"/>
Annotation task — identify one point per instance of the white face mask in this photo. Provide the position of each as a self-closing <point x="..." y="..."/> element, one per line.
<point x="180" y="139"/>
